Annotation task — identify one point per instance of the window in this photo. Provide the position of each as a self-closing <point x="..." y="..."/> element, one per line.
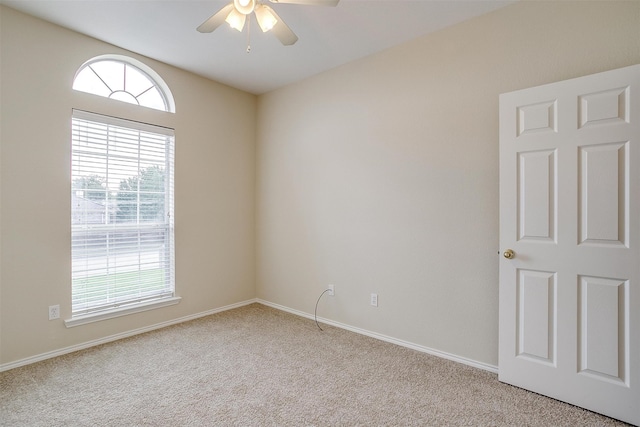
<point x="124" y="79"/>
<point x="122" y="236"/>
<point x="122" y="214"/>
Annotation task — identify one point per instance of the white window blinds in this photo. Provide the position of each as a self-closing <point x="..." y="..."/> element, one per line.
<point x="122" y="242"/>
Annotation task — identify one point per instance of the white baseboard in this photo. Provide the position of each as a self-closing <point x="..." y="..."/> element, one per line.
<point x="111" y="338"/>
<point x="433" y="352"/>
<point x="71" y="349"/>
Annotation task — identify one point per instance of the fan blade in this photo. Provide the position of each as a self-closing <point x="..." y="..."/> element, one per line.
<point x="282" y="31"/>
<point x="309" y="2"/>
<point x="215" y="20"/>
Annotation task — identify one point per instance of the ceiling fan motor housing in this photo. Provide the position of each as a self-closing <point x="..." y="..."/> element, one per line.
<point x="244" y="6"/>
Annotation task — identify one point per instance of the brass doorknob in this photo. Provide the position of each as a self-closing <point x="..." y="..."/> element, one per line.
<point x="509" y="254"/>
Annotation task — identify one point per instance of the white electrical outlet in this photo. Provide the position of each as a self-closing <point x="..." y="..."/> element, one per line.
<point x="331" y="290"/>
<point x="374" y="300"/>
<point x="54" y="312"/>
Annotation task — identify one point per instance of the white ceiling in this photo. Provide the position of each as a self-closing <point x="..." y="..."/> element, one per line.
<point x="328" y="37"/>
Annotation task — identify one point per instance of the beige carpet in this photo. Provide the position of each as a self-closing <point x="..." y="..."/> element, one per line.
<point x="256" y="366"/>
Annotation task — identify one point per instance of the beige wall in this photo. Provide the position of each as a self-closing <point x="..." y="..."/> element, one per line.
<point x="382" y="175"/>
<point x="214" y="183"/>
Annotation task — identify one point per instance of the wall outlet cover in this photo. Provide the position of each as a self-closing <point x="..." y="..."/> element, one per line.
<point x="374" y="300"/>
<point x="54" y="312"/>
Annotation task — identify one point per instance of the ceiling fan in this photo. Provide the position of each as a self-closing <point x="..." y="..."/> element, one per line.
<point x="236" y="12"/>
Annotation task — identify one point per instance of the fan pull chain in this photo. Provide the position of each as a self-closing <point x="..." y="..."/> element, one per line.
<point x="249" y="35"/>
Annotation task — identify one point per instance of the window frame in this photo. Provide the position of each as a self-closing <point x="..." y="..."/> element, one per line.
<point x="80" y="317"/>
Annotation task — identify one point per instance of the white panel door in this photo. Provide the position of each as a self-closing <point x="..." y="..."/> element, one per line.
<point x="570" y="214"/>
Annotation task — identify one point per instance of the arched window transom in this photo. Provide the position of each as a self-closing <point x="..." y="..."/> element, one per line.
<point x="121" y="80"/>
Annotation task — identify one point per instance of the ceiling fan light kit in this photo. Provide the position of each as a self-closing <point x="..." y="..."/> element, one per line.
<point x="235" y="14"/>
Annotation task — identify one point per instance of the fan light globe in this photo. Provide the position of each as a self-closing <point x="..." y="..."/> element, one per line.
<point x="265" y="18"/>
<point x="244" y="6"/>
<point x="236" y="20"/>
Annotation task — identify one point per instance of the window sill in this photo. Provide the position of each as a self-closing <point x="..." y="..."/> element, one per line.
<point x="118" y="312"/>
